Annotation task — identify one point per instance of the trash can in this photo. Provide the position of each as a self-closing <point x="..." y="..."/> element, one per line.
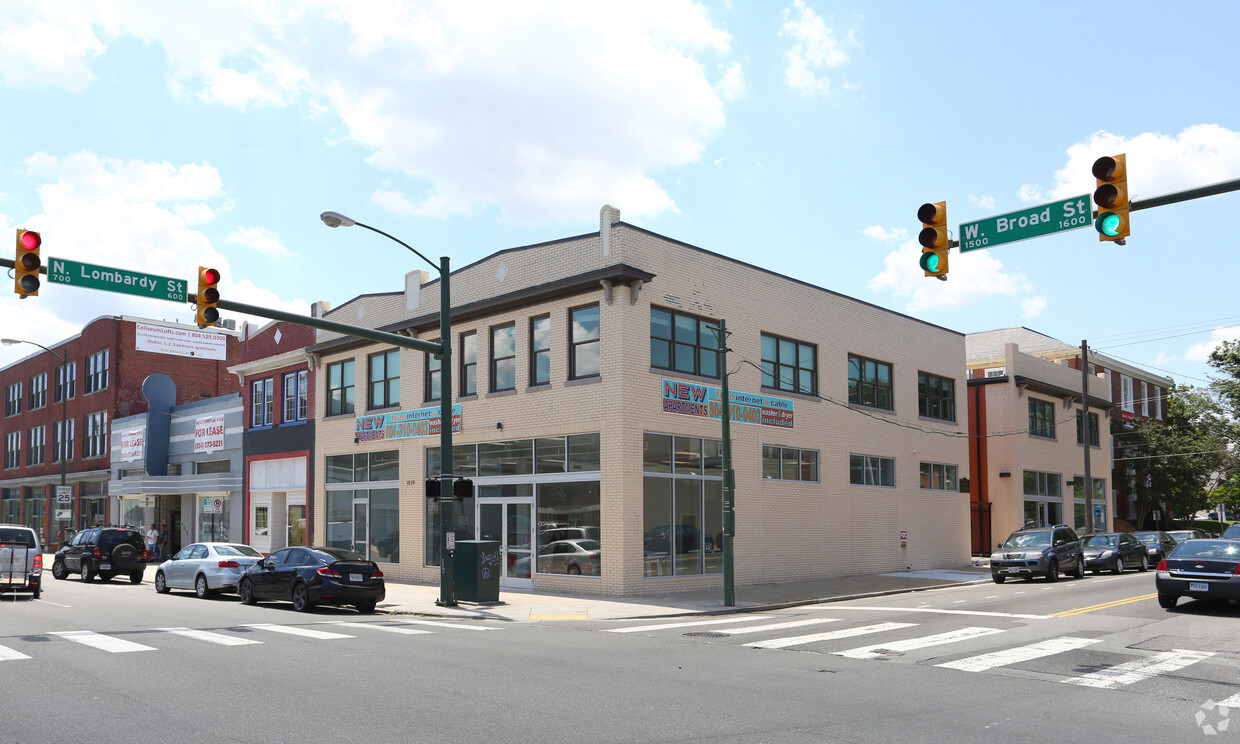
<point x="475" y="569"/>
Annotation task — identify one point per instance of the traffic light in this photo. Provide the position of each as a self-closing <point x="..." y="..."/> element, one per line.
<point x="26" y="263"/>
<point x="933" y="239"/>
<point x="463" y="488"/>
<point x="1111" y="197"/>
<point x="432" y="489"/>
<point x="208" y="295"/>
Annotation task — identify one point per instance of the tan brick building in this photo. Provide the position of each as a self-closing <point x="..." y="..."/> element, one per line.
<point x="583" y="373"/>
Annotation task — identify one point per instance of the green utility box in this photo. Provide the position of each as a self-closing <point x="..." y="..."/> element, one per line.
<point x="476" y="568"/>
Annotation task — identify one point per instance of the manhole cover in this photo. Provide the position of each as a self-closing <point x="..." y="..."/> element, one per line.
<point x="707" y="635"/>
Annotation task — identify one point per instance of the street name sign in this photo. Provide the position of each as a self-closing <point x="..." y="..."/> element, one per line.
<point x="1032" y="222"/>
<point x="90" y="276"/>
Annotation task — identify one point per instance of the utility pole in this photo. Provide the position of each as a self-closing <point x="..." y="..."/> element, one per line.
<point x="729" y="477"/>
<point x="1089" y="484"/>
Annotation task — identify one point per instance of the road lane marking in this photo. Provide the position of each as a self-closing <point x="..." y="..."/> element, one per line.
<point x="210" y="637"/>
<point x="102" y="642"/>
<point x="1103" y="606"/>
<point x="1135" y="671"/>
<point x="979" y="613"/>
<point x="8" y="654"/>
<point x="378" y="626"/>
<point x="691" y="624"/>
<point x="830" y="636"/>
<point x="878" y="650"/>
<point x="304" y="632"/>
<point x="438" y="624"/>
<point x="1021" y="653"/>
<point x="778" y="626"/>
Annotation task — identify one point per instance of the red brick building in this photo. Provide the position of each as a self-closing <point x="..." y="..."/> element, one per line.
<point x="64" y="398"/>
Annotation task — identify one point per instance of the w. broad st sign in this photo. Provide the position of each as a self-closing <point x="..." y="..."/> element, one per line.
<point x="1034" y="222"/>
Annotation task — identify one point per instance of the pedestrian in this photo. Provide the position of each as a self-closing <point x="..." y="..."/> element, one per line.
<point x="152" y="540"/>
<point x="162" y="542"/>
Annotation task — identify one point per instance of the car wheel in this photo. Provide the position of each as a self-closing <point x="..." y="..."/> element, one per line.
<point x="365" y="607"/>
<point x="201" y="589"/>
<point x="574" y="569"/>
<point x="1052" y="571"/>
<point x="135" y="577"/>
<point x="301" y="598"/>
<point x="1079" y="571"/>
<point x="59" y="572"/>
<point x="246" y="592"/>
<point x="1167" y="601"/>
<point x="998" y="579"/>
<point x="1118" y="568"/>
<point x="1145" y="564"/>
<point x="88" y="573"/>
<point x="161" y="583"/>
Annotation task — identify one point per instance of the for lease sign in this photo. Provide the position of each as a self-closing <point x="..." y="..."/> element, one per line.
<point x="208" y="433"/>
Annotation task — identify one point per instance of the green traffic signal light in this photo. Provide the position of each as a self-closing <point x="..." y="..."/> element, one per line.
<point x="1108" y="224"/>
<point x="930" y="262"/>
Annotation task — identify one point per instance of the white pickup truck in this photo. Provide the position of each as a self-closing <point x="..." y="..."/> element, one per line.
<point x="21" y="560"/>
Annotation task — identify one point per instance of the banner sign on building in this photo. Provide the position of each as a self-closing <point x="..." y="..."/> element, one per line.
<point x="131" y="445"/>
<point x="422" y="422"/>
<point x="208" y="434"/>
<point x="185" y="342"/>
<point x="691" y="399"/>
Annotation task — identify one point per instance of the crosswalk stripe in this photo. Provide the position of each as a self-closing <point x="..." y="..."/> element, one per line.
<point x="1021" y="653"/>
<point x="210" y="637"/>
<point x="378" y="626"/>
<point x="690" y="624"/>
<point x="437" y="624"/>
<point x="1135" y="671"/>
<point x="779" y="626"/>
<point x="829" y="636"/>
<point x="102" y="642"/>
<point x="877" y="650"/>
<point x="8" y="654"/>
<point x="305" y="632"/>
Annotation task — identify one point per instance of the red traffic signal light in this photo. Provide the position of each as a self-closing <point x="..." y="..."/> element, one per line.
<point x="208" y="295"/>
<point x="27" y="263"/>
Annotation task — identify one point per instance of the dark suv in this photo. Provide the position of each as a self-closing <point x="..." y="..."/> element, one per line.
<point x="104" y="552"/>
<point x="1038" y="551"/>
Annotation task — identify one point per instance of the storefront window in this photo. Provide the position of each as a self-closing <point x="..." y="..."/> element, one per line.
<point x="365" y="520"/>
<point x="463" y="519"/>
<point x="212" y="526"/>
<point x="385" y="525"/>
<point x="297" y="524"/>
<point x="569" y="534"/>
<point x="340" y="519"/>
<point x="682" y="508"/>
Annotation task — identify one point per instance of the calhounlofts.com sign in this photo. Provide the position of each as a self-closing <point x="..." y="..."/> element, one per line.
<point x="691" y="399"/>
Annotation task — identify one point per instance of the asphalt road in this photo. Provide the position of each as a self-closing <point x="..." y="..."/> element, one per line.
<point x="1093" y="659"/>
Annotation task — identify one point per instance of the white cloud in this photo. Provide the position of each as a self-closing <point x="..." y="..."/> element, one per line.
<point x="981" y="277"/>
<point x="1200" y="352"/>
<point x="985" y="202"/>
<point x="815" y="49"/>
<point x="195" y="214"/>
<point x="258" y="239"/>
<point x="1030" y="193"/>
<point x="732" y="84"/>
<point x="883" y="235"/>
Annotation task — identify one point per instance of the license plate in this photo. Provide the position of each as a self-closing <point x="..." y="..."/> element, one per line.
<point x="1014" y="570"/>
<point x="1198" y="586"/>
<point x="357" y="578"/>
<point x="105" y="566"/>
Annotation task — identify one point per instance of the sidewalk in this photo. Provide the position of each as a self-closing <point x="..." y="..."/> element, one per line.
<point x="526" y="606"/>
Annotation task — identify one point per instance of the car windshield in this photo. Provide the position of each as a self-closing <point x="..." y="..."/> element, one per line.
<point x="588" y="544"/>
<point x="1149" y="538"/>
<point x="339" y="554"/>
<point x="1232" y="530"/>
<point x="1038" y="539"/>
<point x="1098" y="541"/>
<point x="11" y="536"/>
<point x="1224" y="549"/>
<point x="238" y="550"/>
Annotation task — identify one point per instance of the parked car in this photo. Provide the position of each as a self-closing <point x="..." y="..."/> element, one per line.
<point x="555" y="534"/>
<point x="1202" y="569"/>
<point x="104" y="552"/>
<point x="1114" y="551"/>
<point x="1182" y="535"/>
<point x="1038" y="551"/>
<point x="21" y="560"/>
<point x="206" y="567"/>
<point x="688" y="539"/>
<point x="312" y="576"/>
<point x="1157" y="543"/>
<point x="1232" y="532"/>
<point x="575" y="557"/>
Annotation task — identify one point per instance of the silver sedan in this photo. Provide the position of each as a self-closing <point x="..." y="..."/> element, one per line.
<point x="206" y="567"/>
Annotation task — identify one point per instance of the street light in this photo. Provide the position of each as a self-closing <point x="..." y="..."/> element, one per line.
<point x="64" y="403"/>
<point x="447" y="583"/>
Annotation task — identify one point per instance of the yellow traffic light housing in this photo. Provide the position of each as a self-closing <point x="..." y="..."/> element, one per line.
<point x="1111" y="196"/>
<point x="933" y="239"/>
<point x="26" y="263"/>
<point x="208" y="295"/>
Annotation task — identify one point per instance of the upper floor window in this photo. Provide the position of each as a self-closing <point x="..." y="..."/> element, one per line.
<point x="869" y="383"/>
<point x="540" y="350"/>
<point x="434" y="376"/>
<point x="95" y="439"/>
<point x="38" y="391"/>
<point x="469" y="363"/>
<point x="13" y="400"/>
<point x="786" y="463"/>
<point x="12" y="449"/>
<point x="384" y="377"/>
<point x="260" y="403"/>
<point x="1045" y="485"/>
<point x="1125" y="393"/>
<point x="66" y="382"/>
<point x="938" y="477"/>
<point x="683" y="343"/>
<point x="584" y="359"/>
<point x="1094" y="438"/>
<point x="1146" y="389"/>
<point x="62" y="440"/>
<point x="865" y="470"/>
<point x="504" y="357"/>
<point x="97" y="371"/>
<point x="1041" y="418"/>
<point x="340" y="388"/>
<point x="38" y="440"/>
<point x="936" y="397"/>
<point x="296" y="397"/>
<point x="789" y="365"/>
<point x="1158" y="412"/>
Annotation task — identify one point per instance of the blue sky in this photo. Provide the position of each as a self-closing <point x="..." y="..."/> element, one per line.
<point x="800" y="136"/>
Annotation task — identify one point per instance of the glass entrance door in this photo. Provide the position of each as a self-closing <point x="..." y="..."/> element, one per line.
<point x="508" y="521"/>
<point x="361" y="528"/>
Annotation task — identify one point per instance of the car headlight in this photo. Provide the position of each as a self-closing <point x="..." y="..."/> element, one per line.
<point x="1106" y="554"/>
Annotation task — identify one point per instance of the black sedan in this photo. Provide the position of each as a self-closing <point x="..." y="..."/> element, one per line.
<point x="1202" y="569"/>
<point x="312" y="576"/>
<point x="1114" y="551"/>
<point x="1159" y="544"/>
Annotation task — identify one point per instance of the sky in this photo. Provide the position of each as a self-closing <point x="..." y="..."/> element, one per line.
<point x="800" y="136"/>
